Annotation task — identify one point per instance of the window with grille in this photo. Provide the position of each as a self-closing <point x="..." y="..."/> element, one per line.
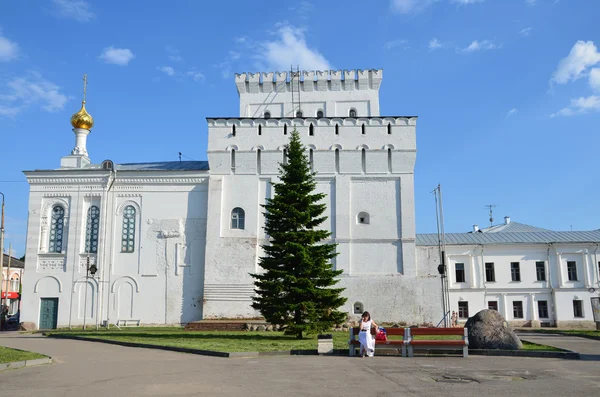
<point x="91" y="230"/>
<point x="463" y="309"/>
<point x="352" y="113"/>
<point x="577" y="308"/>
<point x="518" y="309"/>
<point x="57" y="229"/>
<point x="490" y="273"/>
<point x="540" y="271"/>
<point x="572" y="270"/>
<point x="459" y="269"/>
<point x="238" y="218"/>
<point x="515" y="271"/>
<point x="128" y="233"/>
<point x="543" y="309"/>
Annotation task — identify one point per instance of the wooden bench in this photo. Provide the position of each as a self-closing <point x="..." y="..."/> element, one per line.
<point x="413" y="344"/>
<point x="353" y="343"/>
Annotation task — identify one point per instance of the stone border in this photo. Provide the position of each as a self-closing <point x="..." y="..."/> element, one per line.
<point x="336" y="352"/>
<point x="26" y="363"/>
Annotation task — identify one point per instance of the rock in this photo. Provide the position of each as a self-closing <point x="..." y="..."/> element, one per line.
<point x="269" y="327"/>
<point x="27" y="326"/>
<point x="489" y="330"/>
<point x="253" y="328"/>
<point x="248" y="327"/>
<point x="261" y="328"/>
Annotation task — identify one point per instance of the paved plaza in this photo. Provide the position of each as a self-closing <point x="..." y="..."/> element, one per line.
<point x="95" y="369"/>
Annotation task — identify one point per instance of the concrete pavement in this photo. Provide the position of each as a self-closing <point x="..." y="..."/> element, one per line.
<point x="94" y="369"/>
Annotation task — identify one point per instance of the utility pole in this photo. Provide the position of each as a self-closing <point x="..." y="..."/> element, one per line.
<point x="1" y="263"/>
<point x="7" y="278"/>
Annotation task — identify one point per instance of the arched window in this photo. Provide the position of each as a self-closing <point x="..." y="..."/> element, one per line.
<point x="364" y="160"/>
<point x="285" y="129"/>
<point x="284" y="156"/>
<point x="258" y="161"/>
<point x="232" y="160"/>
<point x="260" y="129"/>
<point x="319" y="114"/>
<point x="233" y="130"/>
<point x="237" y="218"/>
<point x="363" y="218"/>
<point x="352" y="113"/>
<point x="299" y="113"/>
<point x="91" y="230"/>
<point x="128" y="233"/>
<point x="311" y="129"/>
<point x="108" y="165"/>
<point x="363" y="129"/>
<point x="57" y="229"/>
<point x="337" y="129"/>
<point x="389" y="128"/>
<point x="267" y="115"/>
<point x="310" y="160"/>
<point x="337" y="160"/>
<point x="358" y="308"/>
<point x="389" y="160"/>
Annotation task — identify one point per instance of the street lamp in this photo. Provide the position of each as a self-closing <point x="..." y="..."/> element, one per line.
<point x="89" y="272"/>
<point x="2" y="315"/>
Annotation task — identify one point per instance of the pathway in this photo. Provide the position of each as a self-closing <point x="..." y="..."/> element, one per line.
<point x="589" y="349"/>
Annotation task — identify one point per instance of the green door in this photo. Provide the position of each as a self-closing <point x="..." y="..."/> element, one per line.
<point x="48" y="313"/>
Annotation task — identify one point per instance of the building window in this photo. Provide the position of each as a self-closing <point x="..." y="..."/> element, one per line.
<point x="232" y="160"/>
<point x="352" y="113"/>
<point x="337" y="161"/>
<point x="515" y="271"/>
<point x="517" y="309"/>
<point x="299" y="113"/>
<point x="319" y="114"/>
<point x="363" y="157"/>
<point x="91" y="230"/>
<point x="238" y="218"/>
<point x="459" y="269"/>
<point x="260" y="129"/>
<point x="493" y="305"/>
<point x="540" y="271"/>
<point x="389" y="160"/>
<point x="543" y="309"/>
<point x="267" y="115"/>
<point x="311" y="129"/>
<point x="363" y="218"/>
<point x="285" y="156"/>
<point x="363" y="129"/>
<point x="337" y="129"/>
<point x="389" y="128"/>
<point x="490" y="274"/>
<point x="128" y="235"/>
<point x="578" y="308"/>
<point x="285" y="129"/>
<point x="311" y="160"/>
<point x="358" y="308"/>
<point x="572" y="270"/>
<point x="233" y="130"/>
<point x="57" y="229"/>
<point x="258" y="161"/>
<point x="463" y="309"/>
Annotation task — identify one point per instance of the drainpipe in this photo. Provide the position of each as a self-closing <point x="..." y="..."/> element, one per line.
<point x="77" y="250"/>
<point x="596" y="273"/>
<point x="483" y="278"/>
<point x="109" y="184"/>
<point x="552" y="292"/>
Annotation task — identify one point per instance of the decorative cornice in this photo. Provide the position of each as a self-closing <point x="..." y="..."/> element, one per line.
<point x="306" y="121"/>
<point x="164" y="180"/>
<point x="129" y="195"/>
<point x="64" y="180"/>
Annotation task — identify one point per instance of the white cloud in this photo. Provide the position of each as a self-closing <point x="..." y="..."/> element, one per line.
<point x="168" y="70"/>
<point x="580" y="106"/>
<point x="290" y="48"/>
<point x="525" y="32"/>
<point x="531" y="3"/>
<point x="595" y="79"/>
<point x="583" y="55"/>
<point x="467" y="1"/>
<point x="78" y="10"/>
<point x="410" y="6"/>
<point x="9" y="50"/>
<point x="303" y="9"/>
<point x="174" y="54"/>
<point x="434" y="44"/>
<point x="117" y="56"/>
<point x="511" y="112"/>
<point x="31" y="90"/>
<point x="477" y="45"/>
<point x="396" y="43"/>
<point x="196" y="76"/>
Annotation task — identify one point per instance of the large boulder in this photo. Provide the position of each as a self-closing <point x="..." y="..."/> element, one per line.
<point x="489" y="330"/>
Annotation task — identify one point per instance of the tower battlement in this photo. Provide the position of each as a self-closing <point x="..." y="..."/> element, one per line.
<point x="319" y="80"/>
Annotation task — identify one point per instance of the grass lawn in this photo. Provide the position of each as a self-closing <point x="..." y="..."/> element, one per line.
<point x="568" y="332"/>
<point x="9" y="355"/>
<point x="240" y="341"/>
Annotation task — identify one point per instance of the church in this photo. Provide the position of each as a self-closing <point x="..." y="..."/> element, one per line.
<point x="175" y="242"/>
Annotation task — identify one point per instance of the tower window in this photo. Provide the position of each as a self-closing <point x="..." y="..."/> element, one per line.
<point x="57" y="229"/>
<point x="128" y="232"/>
<point x="337" y="160"/>
<point x="362" y="129"/>
<point x="258" y="161"/>
<point x="260" y="129"/>
<point x="284" y="156"/>
<point x="285" y="129"/>
<point x="363" y="218"/>
<point x="337" y="129"/>
<point x="352" y="113"/>
<point x="238" y="218"/>
<point x="358" y="308"/>
<point x="319" y="114"/>
<point x="364" y="160"/>
<point x="311" y="130"/>
<point x="232" y="160"/>
<point x="389" y="153"/>
<point x="299" y="113"/>
<point x="267" y="115"/>
<point x="233" y="130"/>
<point x="389" y="129"/>
<point x="91" y="230"/>
<point x="310" y="160"/>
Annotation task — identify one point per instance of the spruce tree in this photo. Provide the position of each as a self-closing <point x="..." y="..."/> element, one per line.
<point x="294" y="290"/>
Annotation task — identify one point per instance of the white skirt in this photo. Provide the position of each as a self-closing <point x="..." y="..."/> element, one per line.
<point x="367" y="342"/>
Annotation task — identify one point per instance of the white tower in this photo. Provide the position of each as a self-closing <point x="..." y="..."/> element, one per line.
<point x="82" y="123"/>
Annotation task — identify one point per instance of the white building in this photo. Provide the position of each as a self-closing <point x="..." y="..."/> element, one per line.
<point x="174" y="242"/>
<point x="532" y="276"/>
<point x="12" y="274"/>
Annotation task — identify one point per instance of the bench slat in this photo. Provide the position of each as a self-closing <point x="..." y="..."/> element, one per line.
<point x="437" y="342"/>
<point x="389" y="331"/>
<point x="437" y="331"/>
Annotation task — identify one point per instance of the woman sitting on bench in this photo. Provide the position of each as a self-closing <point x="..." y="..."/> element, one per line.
<point x="367" y="341"/>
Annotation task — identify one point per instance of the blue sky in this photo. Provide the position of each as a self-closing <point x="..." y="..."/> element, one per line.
<point x="507" y="92"/>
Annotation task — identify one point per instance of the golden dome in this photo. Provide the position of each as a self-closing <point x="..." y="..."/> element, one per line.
<point x="82" y="119"/>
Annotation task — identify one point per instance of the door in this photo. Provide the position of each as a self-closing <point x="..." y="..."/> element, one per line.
<point x="48" y="313"/>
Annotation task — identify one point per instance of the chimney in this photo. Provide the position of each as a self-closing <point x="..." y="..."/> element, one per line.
<point x="475" y="228"/>
<point x="506" y="220"/>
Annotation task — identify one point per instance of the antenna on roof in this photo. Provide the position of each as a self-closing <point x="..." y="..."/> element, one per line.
<point x="489" y="207"/>
<point x="180" y="157"/>
<point x="293" y="75"/>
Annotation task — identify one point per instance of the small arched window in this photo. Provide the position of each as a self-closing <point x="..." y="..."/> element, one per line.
<point x="358" y="308"/>
<point x="352" y="113"/>
<point x="108" y="165"/>
<point x="267" y="115"/>
<point x="389" y="160"/>
<point x="363" y="218"/>
<point x="238" y="218"/>
<point x="284" y="156"/>
<point x="285" y="129"/>
<point x="337" y="129"/>
<point x="363" y="129"/>
<point x="364" y="160"/>
<point x="260" y="129"/>
<point x="91" y="230"/>
<point x="311" y="130"/>
<point x="233" y="130"/>
<point x="319" y="114"/>
<point x="258" y="161"/>
<point x="232" y="160"/>
<point x="337" y="160"/>
<point x="299" y="113"/>
<point x="128" y="232"/>
<point x="310" y="160"/>
<point x="57" y="229"/>
<point x="389" y="128"/>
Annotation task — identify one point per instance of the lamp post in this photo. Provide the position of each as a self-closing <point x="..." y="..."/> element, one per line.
<point x="89" y="270"/>
<point x="2" y="264"/>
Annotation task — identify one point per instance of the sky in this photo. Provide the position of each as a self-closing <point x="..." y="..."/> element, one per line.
<point x="507" y="91"/>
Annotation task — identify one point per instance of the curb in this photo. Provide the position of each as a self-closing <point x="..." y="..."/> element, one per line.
<point x="567" y="354"/>
<point x="26" y="363"/>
